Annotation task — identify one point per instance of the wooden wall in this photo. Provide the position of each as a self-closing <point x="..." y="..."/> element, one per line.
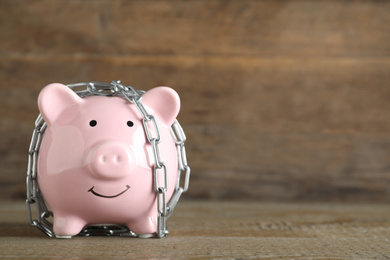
<point x="281" y="100"/>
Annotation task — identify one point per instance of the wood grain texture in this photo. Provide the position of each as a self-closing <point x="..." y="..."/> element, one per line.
<point x="281" y="100"/>
<point x="215" y="230"/>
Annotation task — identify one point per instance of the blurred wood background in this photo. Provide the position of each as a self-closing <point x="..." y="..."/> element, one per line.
<point x="281" y="100"/>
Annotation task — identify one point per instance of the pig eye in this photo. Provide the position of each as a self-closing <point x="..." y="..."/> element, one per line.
<point x="130" y="123"/>
<point x="92" y="123"/>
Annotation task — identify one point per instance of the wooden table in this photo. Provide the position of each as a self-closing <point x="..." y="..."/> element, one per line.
<point x="233" y="230"/>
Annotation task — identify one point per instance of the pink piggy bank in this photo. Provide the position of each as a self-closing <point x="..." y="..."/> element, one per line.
<point x="95" y="165"/>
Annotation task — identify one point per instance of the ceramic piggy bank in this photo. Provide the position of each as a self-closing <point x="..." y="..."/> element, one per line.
<point x="95" y="163"/>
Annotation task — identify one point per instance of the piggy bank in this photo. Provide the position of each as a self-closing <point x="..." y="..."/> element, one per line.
<point x="95" y="165"/>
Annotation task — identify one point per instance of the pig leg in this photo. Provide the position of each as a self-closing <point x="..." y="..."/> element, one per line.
<point x="144" y="227"/>
<point x="66" y="226"/>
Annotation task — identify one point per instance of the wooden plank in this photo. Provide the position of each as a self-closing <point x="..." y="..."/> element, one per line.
<point x="204" y="230"/>
<point x="251" y="28"/>
<point x="314" y="95"/>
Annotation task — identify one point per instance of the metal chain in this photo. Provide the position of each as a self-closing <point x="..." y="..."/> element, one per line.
<point x="164" y="208"/>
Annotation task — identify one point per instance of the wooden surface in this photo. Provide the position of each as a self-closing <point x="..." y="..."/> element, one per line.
<point x="216" y="230"/>
<point x="281" y="100"/>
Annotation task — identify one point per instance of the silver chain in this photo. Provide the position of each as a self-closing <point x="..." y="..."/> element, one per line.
<point x="164" y="208"/>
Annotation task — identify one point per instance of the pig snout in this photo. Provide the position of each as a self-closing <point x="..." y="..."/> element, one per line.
<point x="111" y="160"/>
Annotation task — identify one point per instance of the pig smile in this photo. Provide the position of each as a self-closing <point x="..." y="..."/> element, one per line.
<point x="105" y="196"/>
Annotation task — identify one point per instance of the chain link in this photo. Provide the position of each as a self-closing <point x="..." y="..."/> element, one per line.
<point x="164" y="208"/>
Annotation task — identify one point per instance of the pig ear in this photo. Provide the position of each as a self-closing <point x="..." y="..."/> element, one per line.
<point x="164" y="101"/>
<point x="54" y="99"/>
